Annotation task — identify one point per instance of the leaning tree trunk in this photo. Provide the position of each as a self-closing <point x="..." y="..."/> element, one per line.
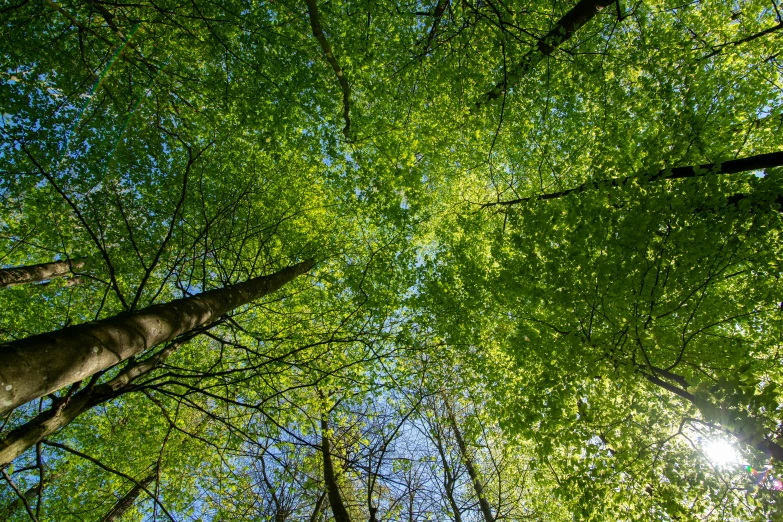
<point x="65" y="410"/>
<point x="735" y="166"/>
<point x="478" y="487"/>
<point x="126" y="502"/>
<point x="36" y="273"/>
<point x="563" y="30"/>
<point x="38" y="365"/>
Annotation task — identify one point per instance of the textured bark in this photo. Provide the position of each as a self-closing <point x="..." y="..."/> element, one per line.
<point x="486" y="511"/>
<point x="315" y="25"/>
<point x="735" y="422"/>
<point x="36" y="273"/>
<point x="339" y="510"/>
<point x="563" y="30"/>
<point x="20" y="439"/>
<point x="758" y="162"/>
<point x="38" y="365"/>
<point x="125" y="503"/>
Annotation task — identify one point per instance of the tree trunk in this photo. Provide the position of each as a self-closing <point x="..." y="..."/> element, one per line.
<point x="563" y="30"/>
<point x="448" y="477"/>
<point x="463" y="449"/>
<point x="315" y="25"/>
<point x="758" y="162"/>
<point x="339" y="511"/>
<point x="36" y="273"/>
<point x="23" y="437"/>
<point x="38" y="365"/>
<point x="127" y="501"/>
<point x="318" y="506"/>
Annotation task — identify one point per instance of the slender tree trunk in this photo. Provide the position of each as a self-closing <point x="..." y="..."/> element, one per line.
<point x="735" y="422"/>
<point x="436" y="15"/>
<point x="463" y="449"/>
<point x="36" y="273"/>
<point x="448" y="477"/>
<point x="319" y="504"/>
<point x="63" y="412"/>
<point x="315" y="25"/>
<point x="339" y="510"/>
<point x="758" y="162"/>
<point x="563" y="30"/>
<point x="38" y="365"/>
<point x="125" y="503"/>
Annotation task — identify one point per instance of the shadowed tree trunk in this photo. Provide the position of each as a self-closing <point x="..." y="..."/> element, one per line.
<point x="339" y="510"/>
<point x="127" y="501"/>
<point x="563" y="30"/>
<point x="758" y="162"/>
<point x="486" y="511"/>
<point x="315" y="25"/>
<point x="36" y="273"/>
<point x="449" y="476"/>
<point x="319" y="504"/>
<point x="30" y="495"/>
<point x="64" y="411"/>
<point x="38" y="365"/>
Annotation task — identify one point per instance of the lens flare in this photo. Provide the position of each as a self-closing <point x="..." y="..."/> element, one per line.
<point x="721" y="453"/>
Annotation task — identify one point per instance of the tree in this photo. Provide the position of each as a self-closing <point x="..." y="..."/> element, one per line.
<point x="548" y="244"/>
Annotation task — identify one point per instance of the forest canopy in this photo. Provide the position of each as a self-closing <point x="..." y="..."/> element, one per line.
<point x="468" y="260"/>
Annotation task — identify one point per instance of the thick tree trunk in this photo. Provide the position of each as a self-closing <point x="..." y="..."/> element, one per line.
<point x="339" y="510"/>
<point x="563" y="30"/>
<point x="125" y="503"/>
<point x="486" y="511"/>
<point x="38" y="365"/>
<point x="758" y="162"/>
<point x="20" y="439"/>
<point x="36" y="273"/>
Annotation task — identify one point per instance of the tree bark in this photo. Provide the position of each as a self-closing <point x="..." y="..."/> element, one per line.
<point x="36" y="273"/>
<point x="758" y="162"/>
<point x="62" y="413"/>
<point x="125" y="503"/>
<point x="315" y="25"/>
<point x="463" y="449"/>
<point x="563" y="30"/>
<point x="339" y="510"/>
<point x="38" y="365"/>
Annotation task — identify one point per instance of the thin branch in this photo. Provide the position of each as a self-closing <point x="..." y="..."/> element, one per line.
<point x="110" y="470"/>
<point x="19" y="494"/>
